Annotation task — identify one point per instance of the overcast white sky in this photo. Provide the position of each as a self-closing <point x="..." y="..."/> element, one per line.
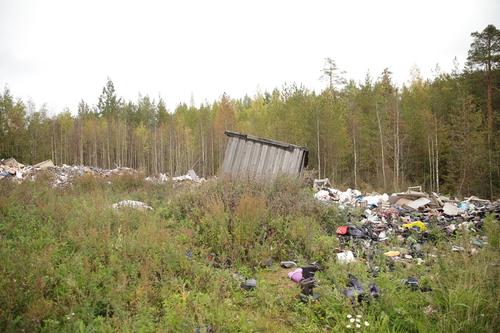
<point x="60" y="51"/>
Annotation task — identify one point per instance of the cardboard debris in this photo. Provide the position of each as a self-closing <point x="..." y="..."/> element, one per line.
<point x="402" y="201"/>
<point x="44" y="165"/>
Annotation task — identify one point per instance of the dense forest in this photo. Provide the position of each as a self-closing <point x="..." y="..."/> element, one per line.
<point x="441" y="133"/>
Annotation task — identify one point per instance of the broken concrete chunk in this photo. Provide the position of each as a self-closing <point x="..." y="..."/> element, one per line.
<point x="450" y="209"/>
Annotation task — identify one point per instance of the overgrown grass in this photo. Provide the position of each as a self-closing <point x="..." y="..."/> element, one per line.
<point x="71" y="263"/>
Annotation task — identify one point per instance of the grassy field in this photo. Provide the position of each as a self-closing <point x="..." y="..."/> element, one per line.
<point x="70" y="263"/>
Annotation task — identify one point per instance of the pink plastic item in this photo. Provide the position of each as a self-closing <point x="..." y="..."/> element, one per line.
<point x="296" y="275"/>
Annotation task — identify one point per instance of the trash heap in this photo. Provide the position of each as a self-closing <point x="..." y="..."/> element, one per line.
<point x="63" y="174"/>
<point x="376" y="220"/>
<point x="383" y="214"/>
<point x="407" y="216"/>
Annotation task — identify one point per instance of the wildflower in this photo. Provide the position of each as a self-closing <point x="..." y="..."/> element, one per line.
<point x="358" y="325"/>
<point x="351" y="320"/>
<point x="358" y="316"/>
<point x="367" y="323"/>
<point x="349" y="316"/>
<point x="348" y="326"/>
<point x="358" y="320"/>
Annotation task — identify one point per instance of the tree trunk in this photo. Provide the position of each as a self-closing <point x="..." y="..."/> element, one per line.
<point x="437" y="158"/>
<point x="317" y="137"/>
<point x="381" y="146"/>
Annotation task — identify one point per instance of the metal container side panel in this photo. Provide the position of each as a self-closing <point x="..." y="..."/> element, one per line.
<point x="244" y="167"/>
<point x="297" y="161"/>
<point x="238" y="157"/>
<point x="291" y="163"/>
<point x="254" y="159"/>
<point x="229" y="155"/>
<point x="269" y="161"/>
<point x="286" y="161"/>
<point x="278" y="162"/>
<point x="262" y="160"/>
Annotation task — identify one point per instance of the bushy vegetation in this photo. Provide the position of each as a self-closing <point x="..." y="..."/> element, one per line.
<point x="70" y="263"/>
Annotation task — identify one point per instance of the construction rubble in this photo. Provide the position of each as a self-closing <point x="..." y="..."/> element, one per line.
<point x="190" y="176"/>
<point x="63" y="175"/>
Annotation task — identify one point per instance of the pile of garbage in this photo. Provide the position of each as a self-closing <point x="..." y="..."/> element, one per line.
<point x="407" y="216"/>
<point x="406" y="207"/>
<point x="64" y="174"/>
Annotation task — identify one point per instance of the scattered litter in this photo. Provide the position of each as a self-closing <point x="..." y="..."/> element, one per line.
<point x="132" y="204"/>
<point x="354" y="289"/>
<point x="413" y="284"/>
<point x="342" y="230"/>
<point x="478" y="242"/>
<point x="288" y="264"/>
<point x="417" y="225"/>
<point x="296" y="275"/>
<point x="345" y="257"/>
<point x="392" y="254"/>
<point x="249" y="284"/>
<point x="456" y="248"/>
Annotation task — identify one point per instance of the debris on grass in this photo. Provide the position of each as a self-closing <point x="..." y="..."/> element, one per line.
<point x="132" y="204"/>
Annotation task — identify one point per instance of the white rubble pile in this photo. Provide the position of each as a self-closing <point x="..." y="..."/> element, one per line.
<point x="139" y="205"/>
<point x="163" y="178"/>
<point x="63" y="175"/>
